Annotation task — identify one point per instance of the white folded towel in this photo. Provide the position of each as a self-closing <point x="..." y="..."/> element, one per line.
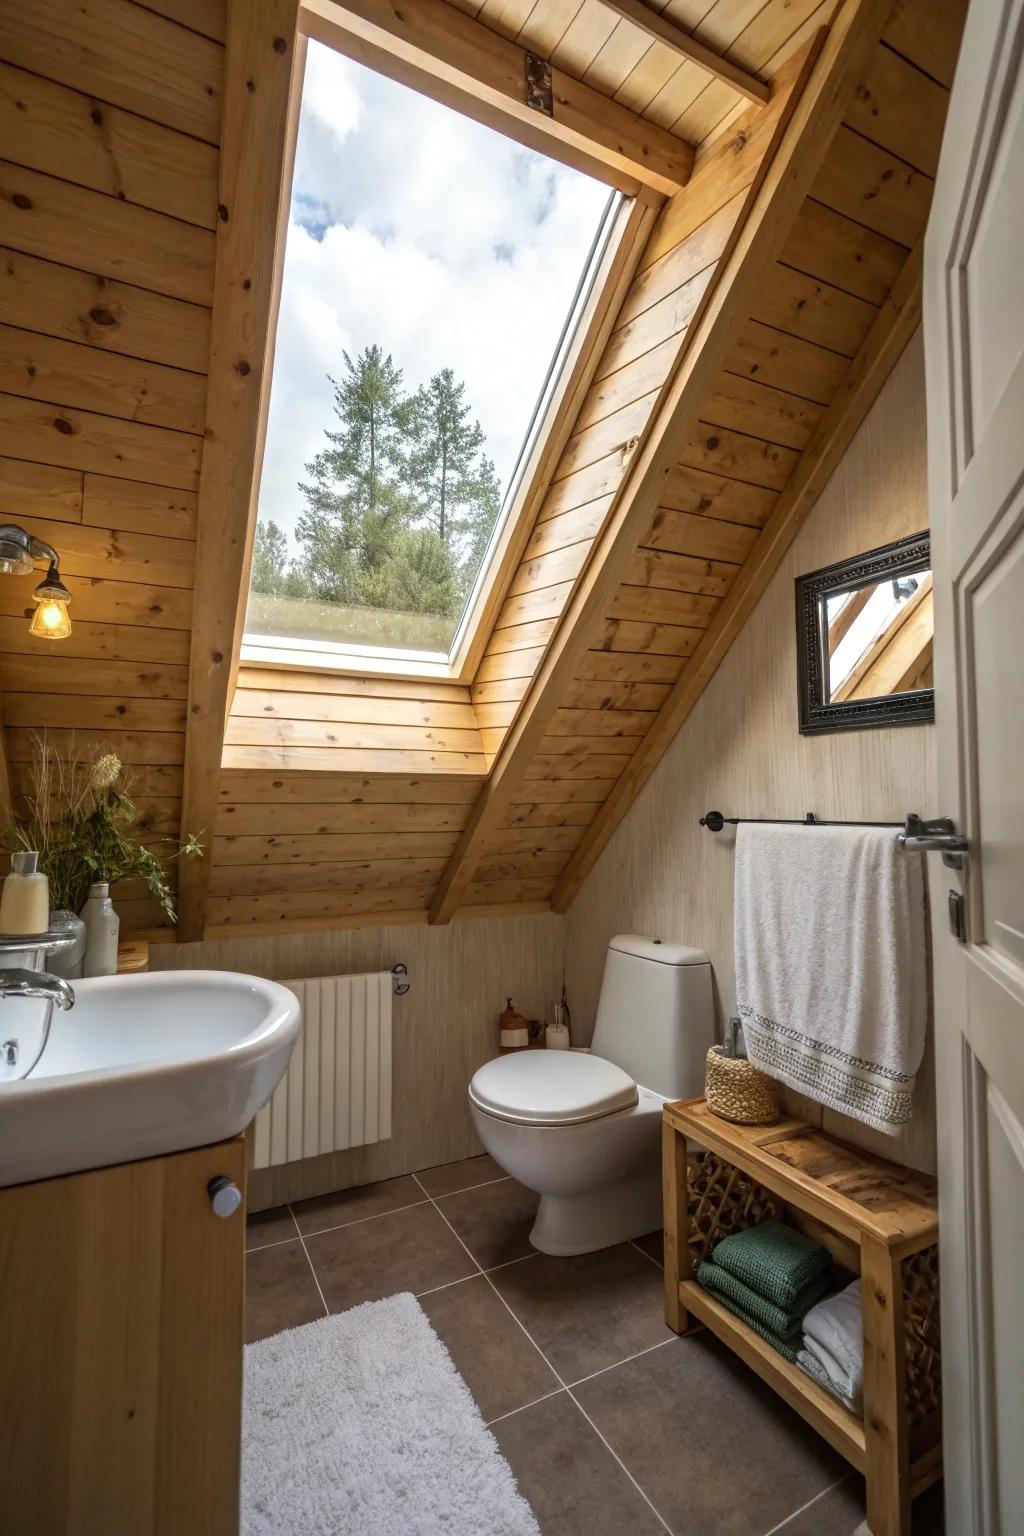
<point x="834" y="1338"/>
<point x="814" y="1368"/>
<point x="831" y="980"/>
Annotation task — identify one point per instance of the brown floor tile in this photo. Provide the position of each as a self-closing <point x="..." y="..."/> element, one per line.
<point x="836" y="1513"/>
<point x="452" y="1177"/>
<point x="841" y="1510"/>
<point x="491" y="1352"/>
<point x="347" y="1205"/>
<point x="587" y="1312"/>
<point x="280" y="1291"/>
<point x="653" y="1244"/>
<point x="493" y="1221"/>
<point x="571" y="1482"/>
<point x="714" y="1449"/>
<point x="409" y="1250"/>
<point x="266" y="1227"/>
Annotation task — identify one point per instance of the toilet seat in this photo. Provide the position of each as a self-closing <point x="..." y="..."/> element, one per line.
<point x="552" y="1088"/>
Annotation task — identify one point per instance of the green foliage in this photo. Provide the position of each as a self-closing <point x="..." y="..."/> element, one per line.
<point x="400" y="504"/>
<point x="85" y="827"/>
<point x="270" y="559"/>
<point x="418" y="577"/>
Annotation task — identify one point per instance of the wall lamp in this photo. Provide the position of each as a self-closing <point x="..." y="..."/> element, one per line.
<point x="19" y="550"/>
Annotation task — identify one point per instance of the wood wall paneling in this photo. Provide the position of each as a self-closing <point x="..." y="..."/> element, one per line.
<point x="110" y="117"/>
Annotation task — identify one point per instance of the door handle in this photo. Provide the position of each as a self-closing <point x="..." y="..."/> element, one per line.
<point x="935" y="836"/>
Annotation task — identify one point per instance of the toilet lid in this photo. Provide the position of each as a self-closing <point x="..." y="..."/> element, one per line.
<point x="551" y="1088"/>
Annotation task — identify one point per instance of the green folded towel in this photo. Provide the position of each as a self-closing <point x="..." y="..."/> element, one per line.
<point x="774" y="1260"/>
<point x="784" y="1347"/>
<point x="783" y="1321"/>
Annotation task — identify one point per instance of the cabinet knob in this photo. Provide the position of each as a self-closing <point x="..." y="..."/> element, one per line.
<point x="225" y="1195"/>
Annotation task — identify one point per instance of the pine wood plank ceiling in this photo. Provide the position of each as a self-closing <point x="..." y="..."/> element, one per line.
<point x="709" y="423"/>
<point x="586" y="678"/>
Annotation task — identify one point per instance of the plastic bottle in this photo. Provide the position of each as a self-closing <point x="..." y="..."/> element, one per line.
<point x="25" y="903"/>
<point x="101" y="925"/>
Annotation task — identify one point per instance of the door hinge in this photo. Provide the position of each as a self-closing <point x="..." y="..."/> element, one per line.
<point x="957" y="916"/>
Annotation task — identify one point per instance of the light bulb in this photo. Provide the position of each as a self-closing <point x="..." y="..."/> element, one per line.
<point x="50" y="620"/>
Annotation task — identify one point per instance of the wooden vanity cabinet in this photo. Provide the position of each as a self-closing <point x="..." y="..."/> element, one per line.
<point x="121" y="1310"/>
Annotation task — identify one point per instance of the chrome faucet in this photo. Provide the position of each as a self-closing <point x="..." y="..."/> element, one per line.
<point x="22" y="983"/>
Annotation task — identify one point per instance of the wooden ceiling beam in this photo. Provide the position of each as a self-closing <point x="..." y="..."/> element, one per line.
<point x="662" y="30"/>
<point x="824" y="100"/>
<point x="264" y="56"/>
<point x="895" y="324"/>
<point x="445" y="54"/>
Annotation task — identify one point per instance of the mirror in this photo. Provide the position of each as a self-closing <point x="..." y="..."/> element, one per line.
<point x="864" y="640"/>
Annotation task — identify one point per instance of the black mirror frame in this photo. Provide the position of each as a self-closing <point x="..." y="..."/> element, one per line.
<point x="916" y="707"/>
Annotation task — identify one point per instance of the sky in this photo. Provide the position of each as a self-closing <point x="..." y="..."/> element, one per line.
<point x="441" y="240"/>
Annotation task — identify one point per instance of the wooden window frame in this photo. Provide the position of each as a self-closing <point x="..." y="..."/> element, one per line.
<point x="618" y="246"/>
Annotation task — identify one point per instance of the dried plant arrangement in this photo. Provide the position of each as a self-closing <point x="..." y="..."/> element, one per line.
<point x="82" y="821"/>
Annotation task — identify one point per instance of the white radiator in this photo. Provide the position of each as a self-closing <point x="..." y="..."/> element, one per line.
<point x="336" y="1092"/>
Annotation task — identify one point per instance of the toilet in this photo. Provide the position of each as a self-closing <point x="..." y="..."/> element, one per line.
<point x="583" y="1129"/>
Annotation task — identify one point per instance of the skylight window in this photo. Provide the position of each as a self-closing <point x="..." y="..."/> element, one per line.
<point x="432" y="276"/>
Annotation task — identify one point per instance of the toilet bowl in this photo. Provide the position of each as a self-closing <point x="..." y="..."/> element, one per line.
<point x="583" y="1129"/>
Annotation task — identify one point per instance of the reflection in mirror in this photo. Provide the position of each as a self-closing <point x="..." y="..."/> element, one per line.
<point x="879" y="638"/>
<point x="864" y="631"/>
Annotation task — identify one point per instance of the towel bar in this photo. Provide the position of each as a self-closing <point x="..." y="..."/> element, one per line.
<point x="918" y="835"/>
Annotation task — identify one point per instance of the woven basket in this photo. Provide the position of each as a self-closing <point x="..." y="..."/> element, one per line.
<point x="737" y="1091"/>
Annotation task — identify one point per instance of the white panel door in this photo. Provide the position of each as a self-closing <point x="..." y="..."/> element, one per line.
<point x="974" y="346"/>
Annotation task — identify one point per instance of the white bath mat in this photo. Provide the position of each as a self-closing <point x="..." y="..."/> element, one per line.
<point x="360" y="1425"/>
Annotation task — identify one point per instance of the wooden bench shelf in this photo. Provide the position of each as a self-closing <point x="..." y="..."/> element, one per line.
<point x="877" y="1220"/>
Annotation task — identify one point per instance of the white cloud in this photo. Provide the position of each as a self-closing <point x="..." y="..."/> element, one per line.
<point x="441" y="240"/>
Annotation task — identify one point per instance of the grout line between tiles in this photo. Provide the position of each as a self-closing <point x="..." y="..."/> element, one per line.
<point x="277" y="1243"/>
<point x="809" y="1505"/>
<point x="359" y="1220"/>
<point x="465" y="1189"/>
<point x="648" y="1256"/>
<point x="523" y="1259"/>
<point x="672" y="1339"/>
<point x="650" y="1504"/>
<point x="556" y="1374"/>
<point x="312" y="1270"/>
<point x="523" y="1406"/>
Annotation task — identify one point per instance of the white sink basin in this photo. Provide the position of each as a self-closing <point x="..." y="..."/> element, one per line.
<point x="140" y="1066"/>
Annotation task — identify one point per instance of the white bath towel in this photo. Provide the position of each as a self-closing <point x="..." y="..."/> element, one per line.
<point x="830" y="964"/>
<point x="834" y="1336"/>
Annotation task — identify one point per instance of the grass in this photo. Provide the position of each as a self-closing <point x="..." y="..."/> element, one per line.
<point x="305" y="618"/>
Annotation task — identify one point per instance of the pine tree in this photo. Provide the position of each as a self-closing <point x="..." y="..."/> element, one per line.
<point x="269" y="558"/>
<point x="355" y="501"/>
<point x="454" y="484"/>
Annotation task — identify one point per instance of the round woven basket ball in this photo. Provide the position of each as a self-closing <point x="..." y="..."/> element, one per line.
<point x="736" y="1090"/>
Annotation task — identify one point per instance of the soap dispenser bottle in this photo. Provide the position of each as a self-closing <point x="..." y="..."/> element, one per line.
<point x="25" y="903"/>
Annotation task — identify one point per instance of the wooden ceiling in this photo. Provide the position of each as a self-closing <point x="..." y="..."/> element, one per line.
<point x="767" y="301"/>
<point x="593" y="41"/>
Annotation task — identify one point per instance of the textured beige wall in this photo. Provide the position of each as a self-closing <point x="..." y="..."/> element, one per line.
<point x="444" y="1028"/>
<point x="740" y="751"/>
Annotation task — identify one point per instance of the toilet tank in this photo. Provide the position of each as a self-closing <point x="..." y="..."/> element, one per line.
<point x="655" y="1017"/>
